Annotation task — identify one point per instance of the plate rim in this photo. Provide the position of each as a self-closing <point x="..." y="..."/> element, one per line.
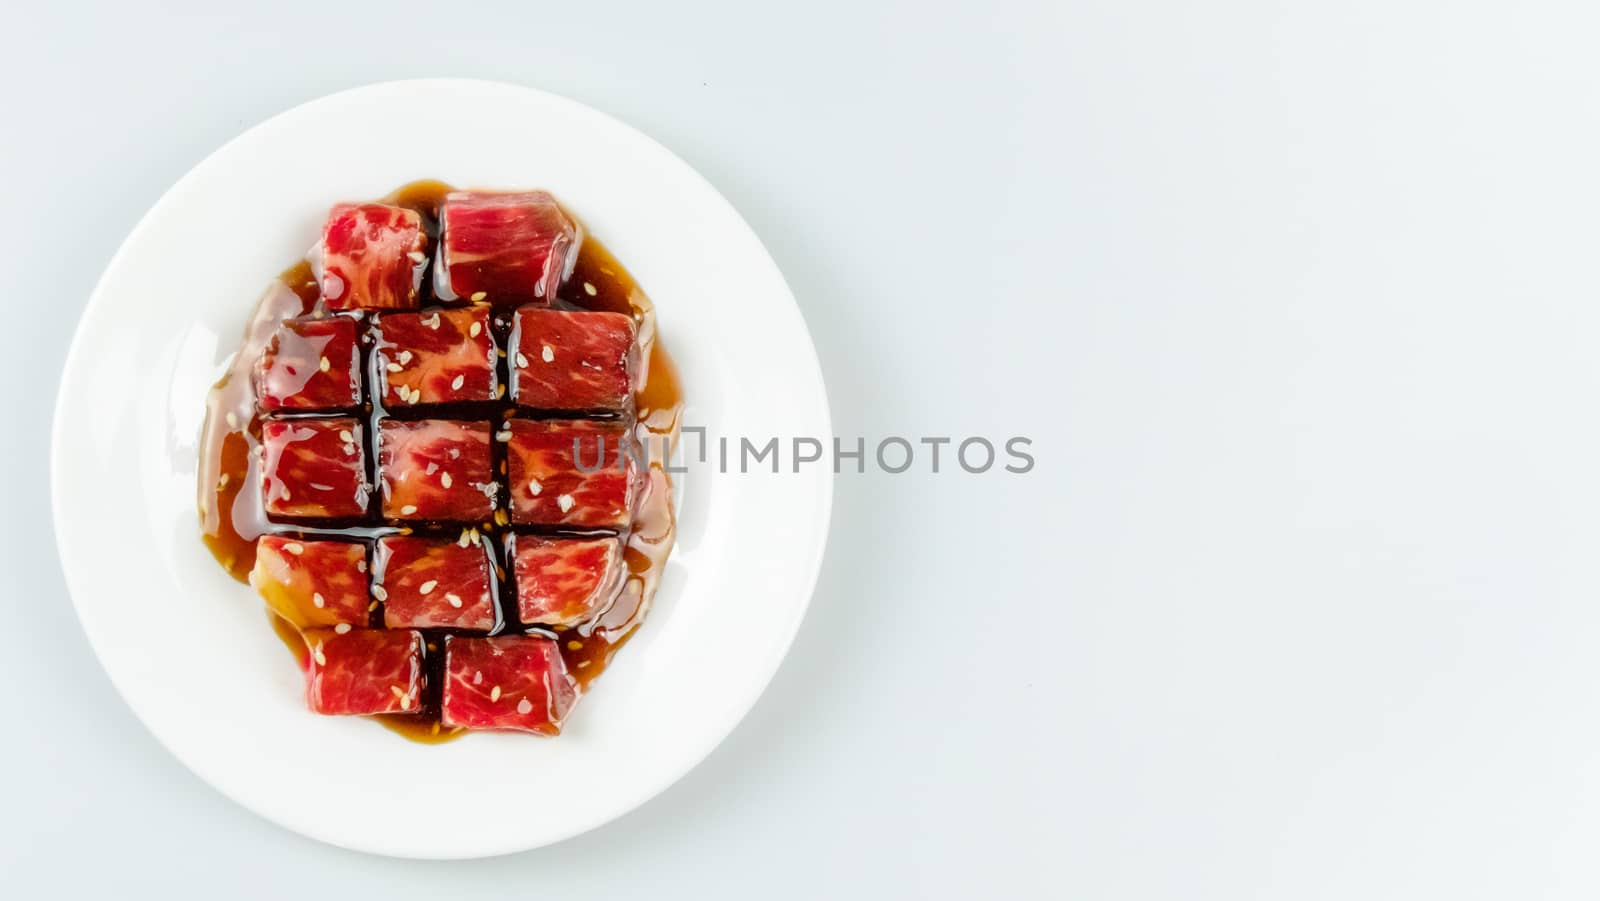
<point x="755" y="687"/>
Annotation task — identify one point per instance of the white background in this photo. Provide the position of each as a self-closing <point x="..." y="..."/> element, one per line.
<point x="1297" y="302"/>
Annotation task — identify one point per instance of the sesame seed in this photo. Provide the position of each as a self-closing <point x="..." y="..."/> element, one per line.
<point x="428" y="586"/>
<point x="361" y="566"/>
<point x="457" y="382"/>
<point x="316" y="654"/>
<point x="575" y="644"/>
<point x="565" y="502"/>
<point x="466" y="537"/>
<point x="445" y="480"/>
<point x="453" y="601"/>
<point x="477" y="328"/>
<point x="476" y="538"/>
<point x="379" y="593"/>
<point x="503" y="435"/>
<point x="325" y="365"/>
<point x="232" y="418"/>
<point x="582" y="664"/>
<point x="589" y="289"/>
<point x="432" y="322"/>
<point x="524" y="706"/>
<point x="500" y="518"/>
<point x="479" y="295"/>
<point x="534" y="487"/>
<point x="372" y="606"/>
<point x="341" y="628"/>
<point x="405" y="357"/>
<point x="408" y="509"/>
<point x="294" y="547"/>
<point x="394" y="367"/>
<point x="398" y="691"/>
<point x="547" y="354"/>
<point x="477" y="677"/>
<point x="522" y="361"/>
<point x="434" y="729"/>
<point x="223" y="482"/>
<point x="346" y="437"/>
<point x="416" y="256"/>
<point x="500" y="391"/>
<point x="494" y="693"/>
<point x="317" y="600"/>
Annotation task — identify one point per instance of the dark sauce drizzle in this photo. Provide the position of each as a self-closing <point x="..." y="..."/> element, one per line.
<point x="231" y="512"/>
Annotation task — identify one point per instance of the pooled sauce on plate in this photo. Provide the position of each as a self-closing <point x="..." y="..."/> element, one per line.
<point x="232" y="510"/>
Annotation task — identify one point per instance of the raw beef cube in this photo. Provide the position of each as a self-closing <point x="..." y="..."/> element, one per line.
<point x="572" y="361"/>
<point x="311" y="364"/>
<point x="313" y="468"/>
<point x="434" y="584"/>
<point x="313" y="583"/>
<point x="435" y="358"/>
<point x="511" y="682"/>
<point x="364" y="671"/>
<point x="505" y="248"/>
<point x="436" y="469"/>
<point x="564" y="582"/>
<point x="373" y="255"/>
<point x="548" y="488"/>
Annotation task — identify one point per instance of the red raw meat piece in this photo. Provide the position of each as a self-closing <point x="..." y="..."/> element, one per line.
<point x="364" y="671"/>
<point x="511" y="682"/>
<point x="434" y="584"/>
<point x="572" y="361"/>
<point x="507" y="248"/>
<point x="373" y="255"/>
<point x="312" y="583"/>
<point x="436" y="469"/>
<point x="313" y="468"/>
<point x="547" y="488"/>
<point x="565" y="582"/>
<point x="437" y="357"/>
<point x="311" y="364"/>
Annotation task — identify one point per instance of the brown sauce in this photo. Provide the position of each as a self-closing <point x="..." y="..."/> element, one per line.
<point x="232" y="517"/>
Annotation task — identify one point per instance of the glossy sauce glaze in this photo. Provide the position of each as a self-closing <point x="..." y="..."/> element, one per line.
<point x="230" y="503"/>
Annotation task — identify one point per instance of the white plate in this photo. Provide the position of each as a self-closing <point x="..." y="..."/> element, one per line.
<point x="190" y="649"/>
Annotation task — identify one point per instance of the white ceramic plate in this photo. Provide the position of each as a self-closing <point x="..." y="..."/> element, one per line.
<point x="190" y="649"/>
